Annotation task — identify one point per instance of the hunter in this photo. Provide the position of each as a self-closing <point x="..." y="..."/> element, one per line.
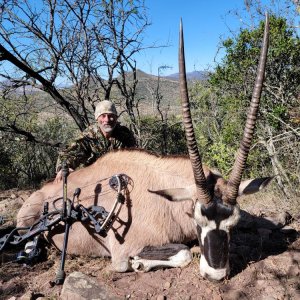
<point x="107" y="134"/>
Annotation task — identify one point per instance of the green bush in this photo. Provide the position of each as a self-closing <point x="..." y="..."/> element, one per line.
<point x="25" y="163"/>
<point x="163" y="137"/>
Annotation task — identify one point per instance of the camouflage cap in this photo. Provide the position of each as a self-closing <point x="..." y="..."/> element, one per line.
<point x="105" y="107"/>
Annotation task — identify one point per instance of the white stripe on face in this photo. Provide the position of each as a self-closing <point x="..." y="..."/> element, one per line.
<point x="232" y="220"/>
<point x="211" y="225"/>
<point x="218" y="240"/>
<point x="210" y="273"/>
<point x="225" y="224"/>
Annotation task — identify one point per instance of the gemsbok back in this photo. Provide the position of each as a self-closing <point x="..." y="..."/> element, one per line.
<point x="165" y="200"/>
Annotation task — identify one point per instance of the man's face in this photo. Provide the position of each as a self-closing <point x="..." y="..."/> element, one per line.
<point x="107" y="122"/>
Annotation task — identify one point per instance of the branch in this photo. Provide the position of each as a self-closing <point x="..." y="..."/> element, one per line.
<point x="47" y="86"/>
<point x="28" y="135"/>
<point x="282" y="122"/>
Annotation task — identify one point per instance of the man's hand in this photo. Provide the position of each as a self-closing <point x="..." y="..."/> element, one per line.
<point x="58" y="177"/>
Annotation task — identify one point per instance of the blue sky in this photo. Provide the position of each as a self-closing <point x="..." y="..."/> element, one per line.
<point x="204" y="22"/>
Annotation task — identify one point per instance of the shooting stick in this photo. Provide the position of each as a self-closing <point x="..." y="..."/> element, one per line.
<point x="65" y="215"/>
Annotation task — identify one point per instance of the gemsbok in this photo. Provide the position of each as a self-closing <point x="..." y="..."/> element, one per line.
<point x="165" y="200"/>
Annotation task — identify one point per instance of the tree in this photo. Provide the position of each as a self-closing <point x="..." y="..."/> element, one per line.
<point x="216" y="126"/>
<point x="234" y="78"/>
<point x="87" y="45"/>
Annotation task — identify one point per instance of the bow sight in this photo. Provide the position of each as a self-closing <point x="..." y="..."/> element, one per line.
<point x="67" y="214"/>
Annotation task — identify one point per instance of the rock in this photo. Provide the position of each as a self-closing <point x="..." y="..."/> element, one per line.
<point x="27" y="296"/>
<point x="13" y="196"/>
<point x="294" y="271"/>
<point x="79" y="286"/>
<point x="233" y="295"/>
<point x="279" y="220"/>
<point x="284" y="218"/>
<point x="167" y="285"/>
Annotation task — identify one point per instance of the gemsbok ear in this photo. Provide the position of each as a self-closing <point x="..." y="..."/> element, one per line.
<point x="174" y="194"/>
<point x="252" y="186"/>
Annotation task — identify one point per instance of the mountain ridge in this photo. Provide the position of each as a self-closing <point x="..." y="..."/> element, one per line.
<point x="194" y="75"/>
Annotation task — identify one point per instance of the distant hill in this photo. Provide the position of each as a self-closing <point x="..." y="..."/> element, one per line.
<point x="147" y="93"/>
<point x="149" y="88"/>
<point x="195" y="75"/>
<point x="146" y="90"/>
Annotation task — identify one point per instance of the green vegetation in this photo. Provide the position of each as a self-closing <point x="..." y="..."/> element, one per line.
<point x="25" y="160"/>
<point x="276" y="142"/>
<point x="163" y="137"/>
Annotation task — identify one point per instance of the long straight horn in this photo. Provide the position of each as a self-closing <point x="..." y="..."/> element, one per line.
<point x="240" y="162"/>
<point x="202" y="192"/>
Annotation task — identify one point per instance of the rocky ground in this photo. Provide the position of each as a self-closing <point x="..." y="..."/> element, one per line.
<point x="264" y="255"/>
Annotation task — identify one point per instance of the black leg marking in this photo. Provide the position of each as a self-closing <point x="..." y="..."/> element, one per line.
<point x="161" y="252"/>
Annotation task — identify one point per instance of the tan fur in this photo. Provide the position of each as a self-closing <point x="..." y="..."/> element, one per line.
<point x="145" y="219"/>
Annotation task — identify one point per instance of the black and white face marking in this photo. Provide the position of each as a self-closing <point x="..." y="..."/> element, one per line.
<point x="213" y="225"/>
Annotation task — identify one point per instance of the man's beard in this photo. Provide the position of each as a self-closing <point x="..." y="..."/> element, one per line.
<point x="107" y="128"/>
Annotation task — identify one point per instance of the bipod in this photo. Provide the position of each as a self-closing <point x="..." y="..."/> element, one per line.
<point x="66" y="217"/>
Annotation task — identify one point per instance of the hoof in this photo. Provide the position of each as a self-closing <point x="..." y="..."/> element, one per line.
<point x="121" y="266"/>
<point x="138" y="265"/>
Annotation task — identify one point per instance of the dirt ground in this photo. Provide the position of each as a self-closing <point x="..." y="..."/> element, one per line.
<point x="264" y="258"/>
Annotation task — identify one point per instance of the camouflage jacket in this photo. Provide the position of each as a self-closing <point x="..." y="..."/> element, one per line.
<point x="91" y="144"/>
